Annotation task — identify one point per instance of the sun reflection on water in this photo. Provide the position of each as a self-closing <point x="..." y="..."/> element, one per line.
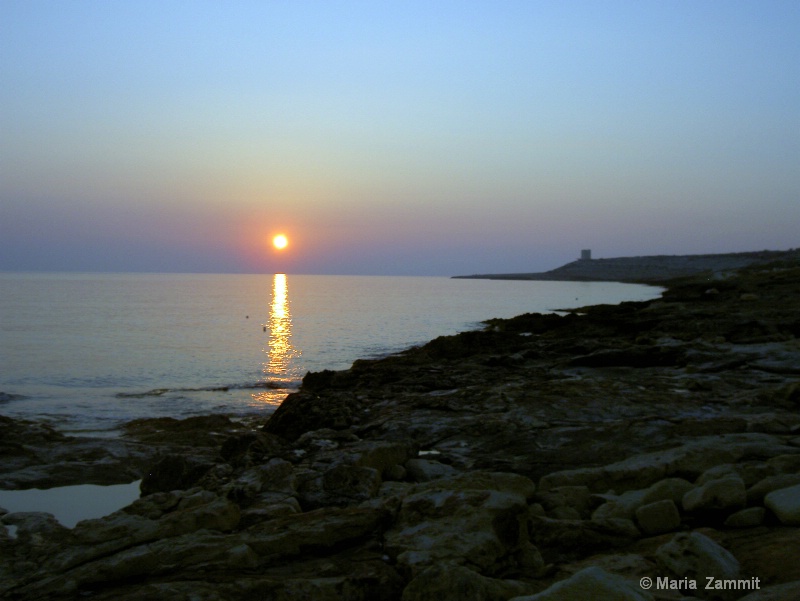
<point x="280" y="369"/>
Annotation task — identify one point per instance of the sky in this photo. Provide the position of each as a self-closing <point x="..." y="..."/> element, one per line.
<point x="399" y="138"/>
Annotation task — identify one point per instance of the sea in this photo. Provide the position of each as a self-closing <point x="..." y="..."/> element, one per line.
<point x="87" y="352"/>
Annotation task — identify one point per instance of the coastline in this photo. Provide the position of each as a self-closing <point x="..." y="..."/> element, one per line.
<point x="542" y="451"/>
<point x="86" y="375"/>
<point x="654" y="269"/>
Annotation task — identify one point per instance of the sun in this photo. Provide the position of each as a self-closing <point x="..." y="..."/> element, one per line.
<point x="280" y="242"/>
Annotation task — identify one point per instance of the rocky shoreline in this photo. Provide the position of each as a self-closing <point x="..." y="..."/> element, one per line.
<point x="544" y="457"/>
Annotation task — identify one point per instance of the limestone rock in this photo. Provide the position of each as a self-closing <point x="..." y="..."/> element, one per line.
<point x="247" y="448"/>
<point x="772" y="553"/>
<point x="382" y="455"/>
<point x="480" y="519"/>
<point x="576" y="498"/>
<point x="779" y="423"/>
<point x="425" y="470"/>
<point x="182" y="514"/>
<point x="326" y="528"/>
<point x="776" y="592"/>
<point x="163" y="556"/>
<point x="35" y="455"/>
<point x="757" y="492"/>
<point x="561" y="540"/>
<point x="746" y="518"/>
<point x="303" y="411"/>
<point x="692" y="458"/>
<point x="174" y="472"/>
<point x="726" y="493"/>
<point x="658" y="517"/>
<point x="448" y="582"/>
<point x="36" y="529"/>
<point x="564" y="512"/>
<point x="695" y="556"/>
<point x="515" y="484"/>
<point x="591" y="583"/>
<point x="397" y="473"/>
<point x="351" y="481"/>
<point x="157" y="533"/>
<point x="340" y="485"/>
<point x="749" y="472"/>
<point x="717" y="472"/>
<point x="195" y="432"/>
<point x="785" y="503"/>
<point x="668" y="488"/>
<point x="788" y="463"/>
<point x="276" y="477"/>
<point x="623" y="506"/>
<point x="268" y="509"/>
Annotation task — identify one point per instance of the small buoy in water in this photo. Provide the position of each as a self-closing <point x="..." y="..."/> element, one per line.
<point x="247" y="317"/>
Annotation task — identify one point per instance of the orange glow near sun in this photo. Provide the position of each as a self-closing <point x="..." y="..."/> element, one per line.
<point x="280" y="242"/>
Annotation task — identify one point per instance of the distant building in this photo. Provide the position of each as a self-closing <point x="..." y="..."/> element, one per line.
<point x="586" y="254"/>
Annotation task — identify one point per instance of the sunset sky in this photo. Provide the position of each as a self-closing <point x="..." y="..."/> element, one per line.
<point x="431" y="137"/>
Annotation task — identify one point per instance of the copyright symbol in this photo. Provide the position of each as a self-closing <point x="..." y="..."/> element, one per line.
<point x="646" y="582"/>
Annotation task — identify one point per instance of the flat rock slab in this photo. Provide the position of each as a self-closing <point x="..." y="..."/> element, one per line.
<point x="785" y="503"/>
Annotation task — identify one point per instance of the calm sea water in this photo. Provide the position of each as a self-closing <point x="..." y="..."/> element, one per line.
<point x="89" y="351"/>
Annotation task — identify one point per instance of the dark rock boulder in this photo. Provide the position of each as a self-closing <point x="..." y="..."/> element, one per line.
<point x="174" y="472"/>
<point x="247" y="448"/>
<point x="303" y="412"/>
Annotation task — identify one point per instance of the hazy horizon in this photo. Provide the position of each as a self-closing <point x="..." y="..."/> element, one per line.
<point x="445" y="138"/>
<point x="200" y="272"/>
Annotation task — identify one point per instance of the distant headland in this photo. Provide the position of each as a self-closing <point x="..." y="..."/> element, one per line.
<point x="649" y="269"/>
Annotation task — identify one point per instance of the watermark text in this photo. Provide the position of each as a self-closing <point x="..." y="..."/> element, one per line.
<point x="708" y="583"/>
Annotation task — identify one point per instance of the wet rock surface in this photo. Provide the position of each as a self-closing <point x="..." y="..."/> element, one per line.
<point x="35" y="455"/>
<point x="540" y="457"/>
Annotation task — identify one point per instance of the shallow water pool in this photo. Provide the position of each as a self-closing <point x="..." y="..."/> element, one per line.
<point x="71" y="504"/>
